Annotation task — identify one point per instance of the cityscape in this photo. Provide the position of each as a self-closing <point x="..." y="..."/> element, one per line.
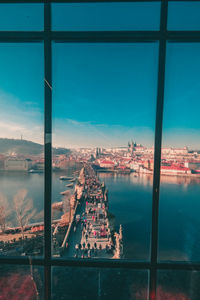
<point x="80" y="210"/>
<point x="131" y="158"/>
<point x="103" y="129"/>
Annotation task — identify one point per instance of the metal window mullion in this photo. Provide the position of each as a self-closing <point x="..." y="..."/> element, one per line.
<point x="47" y="147"/>
<point x="157" y="150"/>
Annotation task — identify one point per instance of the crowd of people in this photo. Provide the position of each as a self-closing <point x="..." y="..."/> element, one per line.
<point x="96" y="235"/>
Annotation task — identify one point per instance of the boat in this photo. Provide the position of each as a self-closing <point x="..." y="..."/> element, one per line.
<point x="36" y="171"/>
<point x="65" y="178"/>
<point x="57" y="205"/>
<point x="64" y="193"/>
<point x="72" y="180"/>
<point x="70" y="185"/>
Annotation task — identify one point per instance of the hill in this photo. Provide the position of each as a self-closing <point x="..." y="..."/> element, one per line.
<point x="20" y="147"/>
<point x="25" y="147"/>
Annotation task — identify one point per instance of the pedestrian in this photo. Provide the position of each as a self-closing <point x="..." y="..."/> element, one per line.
<point x="83" y="245"/>
<point x="89" y="253"/>
<point x="100" y="247"/>
<point x="95" y="245"/>
<point x="88" y="245"/>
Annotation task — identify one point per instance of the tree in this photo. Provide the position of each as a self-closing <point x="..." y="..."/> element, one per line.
<point x="4" y="212"/>
<point x="24" y="209"/>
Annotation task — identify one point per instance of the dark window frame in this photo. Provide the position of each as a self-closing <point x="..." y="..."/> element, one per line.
<point x="47" y="36"/>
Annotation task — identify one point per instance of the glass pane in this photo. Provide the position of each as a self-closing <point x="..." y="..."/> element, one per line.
<point x="104" y="98"/>
<point x="178" y="285"/>
<point x="183" y="15"/>
<point x="21" y="17"/>
<point x="106" y="16"/>
<point x="82" y="283"/>
<point x="21" y="149"/>
<point x="21" y="282"/>
<point x="180" y="170"/>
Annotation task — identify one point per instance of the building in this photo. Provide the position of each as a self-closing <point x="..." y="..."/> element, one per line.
<point x="17" y="164"/>
<point x="192" y="165"/>
<point x="173" y="170"/>
<point x="107" y="164"/>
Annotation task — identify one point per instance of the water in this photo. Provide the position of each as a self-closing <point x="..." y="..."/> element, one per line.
<point x="130" y="201"/>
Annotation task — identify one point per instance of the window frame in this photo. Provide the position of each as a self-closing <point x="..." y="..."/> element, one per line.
<point x="47" y="36"/>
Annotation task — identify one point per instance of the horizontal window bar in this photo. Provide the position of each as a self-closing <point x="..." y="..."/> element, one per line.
<point x="22" y="35"/>
<point x="100" y="36"/>
<point x="83" y="1"/>
<point x="103" y="263"/>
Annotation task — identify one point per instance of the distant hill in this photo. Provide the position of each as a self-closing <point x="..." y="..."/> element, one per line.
<point x="20" y="147"/>
<point x="25" y="147"/>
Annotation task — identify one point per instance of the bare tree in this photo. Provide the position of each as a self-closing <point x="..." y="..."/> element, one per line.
<point x="24" y="209"/>
<point x="4" y="212"/>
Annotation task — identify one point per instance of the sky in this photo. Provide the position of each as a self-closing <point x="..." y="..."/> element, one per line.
<point x="103" y="94"/>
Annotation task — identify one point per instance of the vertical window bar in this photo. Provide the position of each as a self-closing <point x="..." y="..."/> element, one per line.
<point x="48" y="155"/>
<point x="157" y="149"/>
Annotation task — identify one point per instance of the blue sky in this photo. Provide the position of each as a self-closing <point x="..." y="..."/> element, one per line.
<point x="106" y="16"/>
<point x="103" y="94"/>
<point x="107" y="93"/>
<point x="181" y="125"/>
<point x="21" y="16"/>
<point x="21" y="91"/>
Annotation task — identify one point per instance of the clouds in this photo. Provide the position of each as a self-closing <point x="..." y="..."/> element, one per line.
<point x="20" y="118"/>
<point x="26" y="118"/>
<point x="180" y="137"/>
<point x="74" y="134"/>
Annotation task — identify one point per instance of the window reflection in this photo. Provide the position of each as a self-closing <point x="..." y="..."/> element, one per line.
<point x="21" y="282"/>
<point x="85" y="283"/>
<point x="178" y="285"/>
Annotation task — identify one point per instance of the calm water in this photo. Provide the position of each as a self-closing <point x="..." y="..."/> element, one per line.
<point x="130" y="201"/>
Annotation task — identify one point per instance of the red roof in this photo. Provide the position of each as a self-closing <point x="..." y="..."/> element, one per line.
<point x="122" y="167"/>
<point x="174" y="168"/>
<point x="107" y="162"/>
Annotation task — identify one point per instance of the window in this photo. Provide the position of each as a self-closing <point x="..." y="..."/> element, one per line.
<point x="113" y="77"/>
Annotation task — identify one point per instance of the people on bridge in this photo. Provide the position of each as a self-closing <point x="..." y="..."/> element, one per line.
<point x="89" y="253"/>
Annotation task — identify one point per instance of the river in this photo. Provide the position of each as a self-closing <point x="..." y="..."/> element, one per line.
<point x="130" y="201"/>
